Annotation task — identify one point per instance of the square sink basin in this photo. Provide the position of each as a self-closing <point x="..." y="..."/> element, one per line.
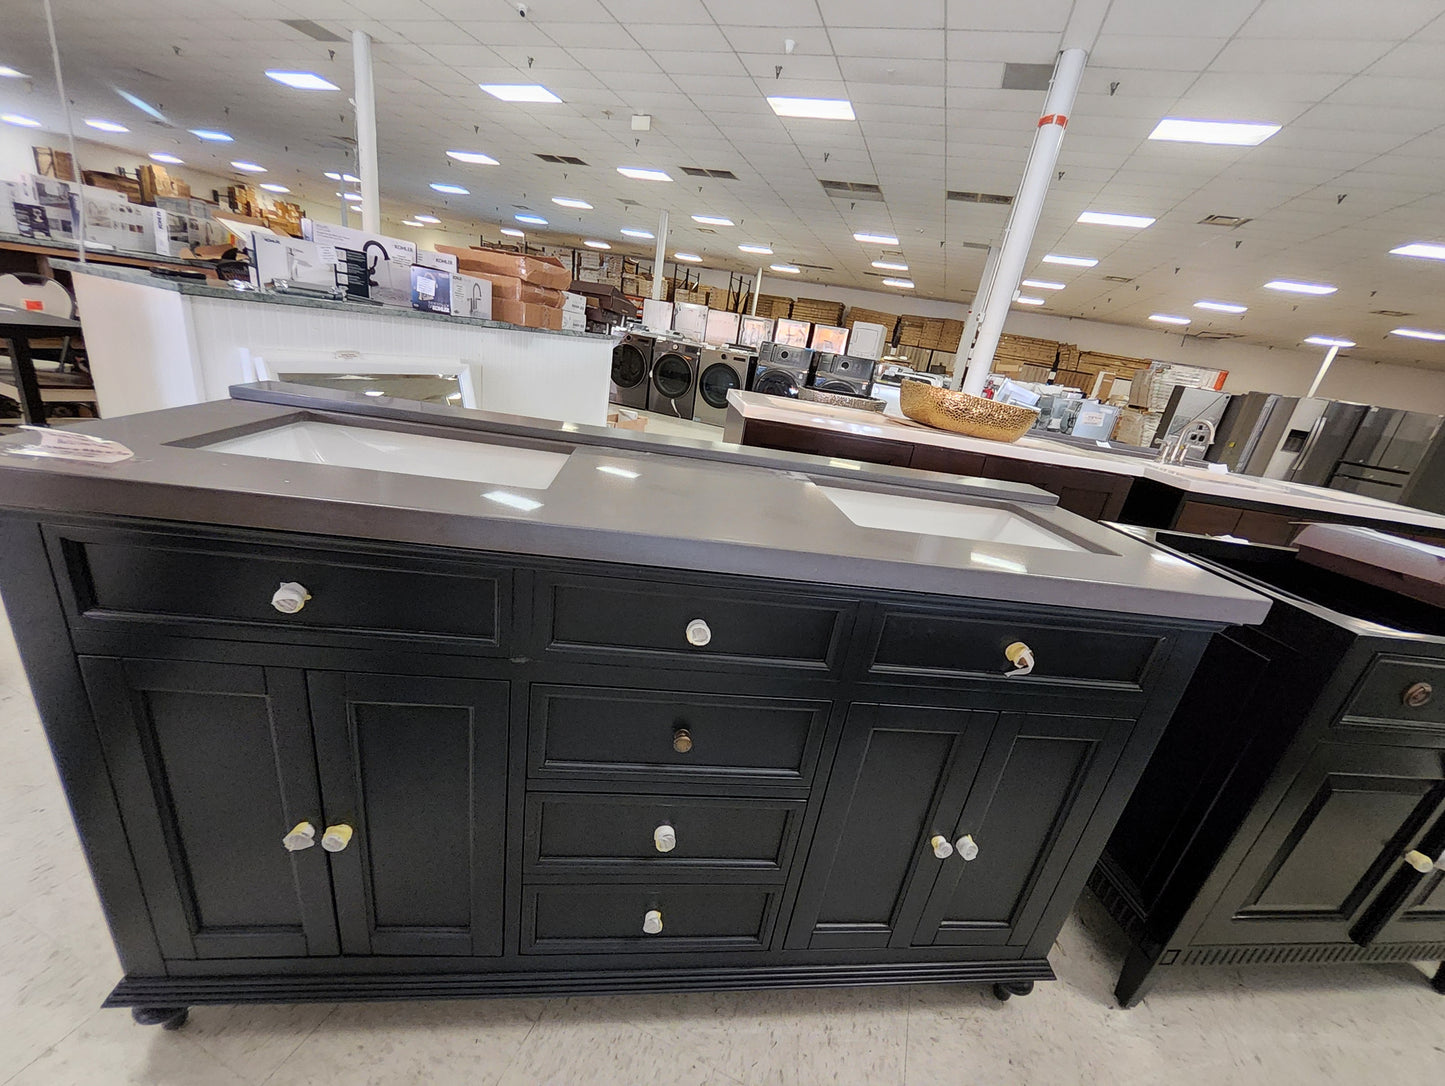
<point x="953" y="520"/>
<point x="310" y="442"/>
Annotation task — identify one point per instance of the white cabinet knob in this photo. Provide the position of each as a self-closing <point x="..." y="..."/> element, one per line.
<point x="652" y="922"/>
<point x="1022" y="658"/>
<point x="698" y="633"/>
<point x="290" y="597"/>
<point x="336" y="838"/>
<point x="967" y="847"/>
<point x="302" y="836"/>
<point x="941" y="848"/>
<point x="664" y="838"/>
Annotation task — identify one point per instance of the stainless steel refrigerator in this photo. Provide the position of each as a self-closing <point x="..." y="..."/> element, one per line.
<point x="1251" y="431"/>
<point x="1329" y="438"/>
<point x="1387" y="448"/>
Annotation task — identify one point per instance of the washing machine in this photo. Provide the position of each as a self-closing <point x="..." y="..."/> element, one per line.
<point x="673" y="388"/>
<point x="847" y="374"/>
<point x="631" y="370"/>
<point x="782" y="369"/>
<point x="721" y="370"/>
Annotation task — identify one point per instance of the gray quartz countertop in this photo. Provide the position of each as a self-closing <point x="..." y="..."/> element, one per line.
<point x="650" y="509"/>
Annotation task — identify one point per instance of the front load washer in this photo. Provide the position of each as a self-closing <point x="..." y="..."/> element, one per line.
<point x="722" y="370"/>
<point x="846" y="374"/>
<point x="782" y="369"/>
<point x="673" y="388"/>
<point x="631" y="370"/>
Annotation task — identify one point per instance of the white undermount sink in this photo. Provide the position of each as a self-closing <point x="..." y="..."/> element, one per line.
<point x="954" y="520"/>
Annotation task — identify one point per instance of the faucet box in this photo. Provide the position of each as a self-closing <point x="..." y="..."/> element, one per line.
<point x="292" y="260"/>
<point x="370" y="266"/>
<point x="431" y="290"/>
<point x="471" y="297"/>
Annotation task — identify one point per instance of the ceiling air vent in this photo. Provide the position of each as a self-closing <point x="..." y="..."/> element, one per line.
<point x="629" y="203"/>
<point x="1215" y="335"/>
<point x="1389" y="313"/>
<point x="980" y="198"/>
<point x="312" y="30"/>
<point x="1027" y="77"/>
<point x="852" y="190"/>
<point x="1117" y="279"/>
<point x="982" y="246"/>
<point x="562" y="160"/>
<point x="1228" y="221"/>
<point x="721" y="175"/>
<point x="813" y="267"/>
<point x="705" y="230"/>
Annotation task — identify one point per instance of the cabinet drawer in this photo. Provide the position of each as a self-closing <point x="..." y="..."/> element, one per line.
<point x="685" y="625"/>
<point x="223" y="589"/>
<point x="752" y="837"/>
<point x="920" y="643"/>
<point x="579" y="919"/>
<point x="1402" y="690"/>
<point x="577" y="731"/>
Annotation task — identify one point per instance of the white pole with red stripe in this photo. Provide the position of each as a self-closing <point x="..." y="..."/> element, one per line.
<point x="1024" y="218"/>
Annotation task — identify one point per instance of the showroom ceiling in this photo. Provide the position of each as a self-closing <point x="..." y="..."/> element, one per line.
<point x="1355" y="171"/>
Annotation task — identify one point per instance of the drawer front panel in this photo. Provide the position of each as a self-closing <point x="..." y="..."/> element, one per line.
<point x="916" y="643"/>
<point x="579" y="919"/>
<point x="203" y="588"/>
<point x="1402" y="692"/>
<point x="617" y="833"/>
<point x="605" y="732"/>
<point x="653" y="622"/>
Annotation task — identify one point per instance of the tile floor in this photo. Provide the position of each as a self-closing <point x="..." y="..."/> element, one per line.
<point x="1275" y="1026"/>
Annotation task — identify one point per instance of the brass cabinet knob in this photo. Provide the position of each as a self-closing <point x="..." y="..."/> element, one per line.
<point x="1419" y="861"/>
<point x="664" y="838"/>
<point x="698" y="633"/>
<point x="1417" y="695"/>
<point x="652" y="922"/>
<point x="1021" y="656"/>
<point x="290" y="597"/>
<point x="302" y="836"/>
<point x="967" y="847"/>
<point x="681" y="740"/>
<point x="941" y="848"/>
<point x="337" y="837"/>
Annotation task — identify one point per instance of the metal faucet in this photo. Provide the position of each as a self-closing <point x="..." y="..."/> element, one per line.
<point x="1199" y="433"/>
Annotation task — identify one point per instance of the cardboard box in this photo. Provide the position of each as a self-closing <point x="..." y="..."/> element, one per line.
<point x="544" y="271"/>
<point x="512" y="289"/>
<point x="155" y="182"/>
<point x="573" y="321"/>
<point x="291" y="259"/>
<point x="471" y="297"/>
<point x="9" y="194"/>
<point x="626" y="420"/>
<point x="371" y="266"/>
<point x="574" y="302"/>
<point x="60" y="199"/>
<point x="112" y="220"/>
<point x="526" y="314"/>
<point x="52" y="163"/>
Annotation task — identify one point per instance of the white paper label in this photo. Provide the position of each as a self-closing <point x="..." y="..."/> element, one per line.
<point x="1091" y="418"/>
<point x="426" y="287"/>
<point x="1103" y="444"/>
<point x="68" y="445"/>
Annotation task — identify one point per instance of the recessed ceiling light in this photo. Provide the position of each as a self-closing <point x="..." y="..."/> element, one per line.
<point x="786" y="269"/>
<point x="596" y="244"/>
<point x="475" y="158"/>
<point x="331" y="176"/>
<point x="531" y="220"/>
<point x="10" y="73"/>
<point x="351" y="178"/>
<point x="1231" y="133"/>
<point x="166" y="157"/>
<point x="19" y="119"/>
<point x="271" y="186"/>
<point x="302" y="80"/>
<point x="411" y="222"/>
<point x="756" y="250"/>
<point x="691" y="258"/>
<point x="1300" y="288"/>
<point x="876" y="239"/>
<point x="105" y="126"/>
<point x="516" y="501"/>
<point x="822" y="109"/>
<point x="712" y="220"/>
<point x="513" y="232"/>
<point x="519" y="92"/>
<point x="1417" y="333"/>
<point x="630" y="232"/>
<point x="906" y="284"/>
<point x="248" y="167"/>
<point x="211" y="135"/>
<point x="568" y="201"/>
<point x="1168" y="318"/>
<point x="426" y="218"/>
<point x="885" y="265"/>
<point x="1326" y="341"/>
<point x="1222" y="307"/>
<point x="1421" y="249"/>
<point x="1024" y="299"/>
<point x="637" y="173"/>
<point x="1102" y="218"/>
<point x="1039" y="284"/>
<point x="455" y="190"/>
<point x="1071" y="261"/>
<point x="350" y="197"/>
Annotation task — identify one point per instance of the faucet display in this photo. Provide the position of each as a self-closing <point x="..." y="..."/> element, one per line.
<point x="1198" y="434"/>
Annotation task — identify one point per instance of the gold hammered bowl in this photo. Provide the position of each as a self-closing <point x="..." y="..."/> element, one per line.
<point x="974" y="416"/>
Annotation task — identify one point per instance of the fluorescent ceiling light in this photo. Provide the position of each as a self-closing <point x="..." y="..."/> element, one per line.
<point x="756" y="250"/>
<point x="786" y="269"/>
<point x="1167" y="318"/>
<point x="475" y="158"/>
<point x="621" y="473"/>
<point x="513" y="232"/>
<point x="1421" y="249"/>
<point x="712" y="220"/>
<point x="426" y="218"/>
<point x="271" y="186"/>
<point x="1231" y="133"/>
<point x="568" y="201"/>
<point x="1101" y="218"/>
<point x="691" y="258"/>
<point x="519" y="92"/>
<point x="596" y="244"/>
<point x="1071" y="261"/>
<point x="637" y="173"/>
<point x="1326" y="341"/>
<point x="822" y="109"/>
<point x="1024" y="299"/>
<point x="1417" y="333"/>
<point x="10" y="73"/>
<point x="1038" y="284"/>
<point x="515" y="501"/>
<point x="455" y="190"/>
<point x="350" y="178"/>
<point x="211" y="135"/>
<point x="630" y="232"/>
<point x="906" y="284"/>
<point x="166" y="157"/>
<point x="331" y="175"/>
<point x="248" y="167"/>
<point x="19" y="119"/>
<point x="411" y="222"/>
<point x="876" y="239"/>
<point x="531" y="220"/>
<point x="302" y="80"/>
<point x="885" y="265"/>
<point x="350" y="197"/>
<point x="1222" y="307"/>
<point x="105" y="126"/>
<point x="1300" y="288"/>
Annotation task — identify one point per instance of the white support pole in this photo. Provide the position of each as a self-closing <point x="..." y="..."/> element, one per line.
<point x="970" y="326"/>
<point x="659" y="256"/>
<point x="1324" y="369"/>
<point x="1024" y="218"/>
<point x="366" y="167"/>
<point x="757" y="289"/>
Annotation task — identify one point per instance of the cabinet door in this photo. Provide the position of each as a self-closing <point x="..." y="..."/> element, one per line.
<point x="1033" y="796"/>
<point x="417" y="767"/>
<point x="899" y="779"/>
<point x="1411" y="907"/>
<point x="213" y="764"/>
<point x="1343" y="827"/>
